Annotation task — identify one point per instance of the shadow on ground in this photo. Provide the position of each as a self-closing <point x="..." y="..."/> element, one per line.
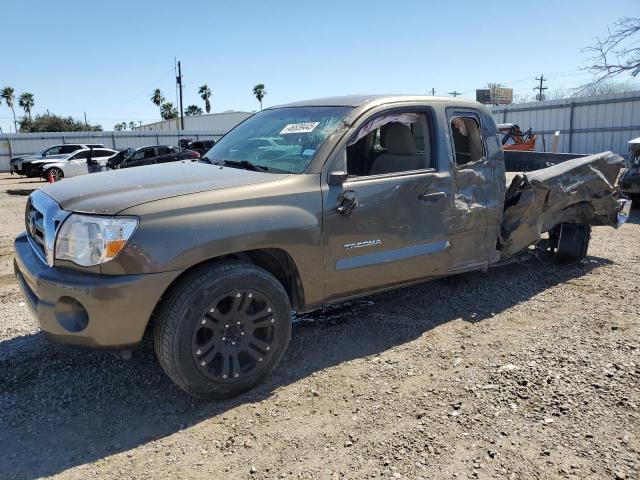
<point x="24" y="192"/>
<point x="61" y="407"/>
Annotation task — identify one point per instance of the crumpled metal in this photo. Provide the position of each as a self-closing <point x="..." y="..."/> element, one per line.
<point x="582" y="190"/>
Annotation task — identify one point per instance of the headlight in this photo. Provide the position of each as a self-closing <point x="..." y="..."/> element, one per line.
<point x="91" y="240"/>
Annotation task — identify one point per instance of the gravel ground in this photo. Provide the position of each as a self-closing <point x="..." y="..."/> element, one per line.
<point x="526" y="371"/>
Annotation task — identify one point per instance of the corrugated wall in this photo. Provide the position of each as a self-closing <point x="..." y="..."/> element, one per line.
<point x="587" y="125"/>
<point x="13" y="145"/>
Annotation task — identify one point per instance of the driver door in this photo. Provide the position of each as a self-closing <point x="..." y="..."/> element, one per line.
<point x="386" y="225"/>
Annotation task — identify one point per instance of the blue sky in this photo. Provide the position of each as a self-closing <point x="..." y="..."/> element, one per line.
<point x="105" y="58"/>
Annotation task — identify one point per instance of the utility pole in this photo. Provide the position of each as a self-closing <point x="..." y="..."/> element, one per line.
<point x="455" y="93"/>
<point x="85" y="120"/>
<point x="179" y="82"/>
<point x="433" y="92"/>
<point x="540" y="88"/>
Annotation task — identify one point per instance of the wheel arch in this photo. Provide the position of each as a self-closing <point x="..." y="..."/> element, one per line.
<point x="276" y="261"/>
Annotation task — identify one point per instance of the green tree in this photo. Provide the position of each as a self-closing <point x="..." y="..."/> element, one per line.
<point x="118" y="127"/>
<point x="26" y="101"/>
<point x="193" y="110"/>
<point x="259" y="92"/>
<point x="7" y="94"/>
<point x="168" y="111"/>
<point x="54" y="123"/>
<point x="157" y="99"/>
<point x="205" y="93"/>
<point x="132" y="125"/>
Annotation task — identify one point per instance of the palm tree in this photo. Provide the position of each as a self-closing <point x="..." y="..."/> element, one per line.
<point x="132" y="125"/>
<point x="259" y="93"/>
<point x="8" y="96"/>
<point x="205" y="93"/>
<point x="193" y="110"/>
<point x="168" y="111"/>
<point x="26" y="101"/>
<point x="158" y="99"/>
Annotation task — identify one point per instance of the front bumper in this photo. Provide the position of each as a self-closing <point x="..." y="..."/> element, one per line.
<point x="91" y="310"/>
<point x="15" y="167"/>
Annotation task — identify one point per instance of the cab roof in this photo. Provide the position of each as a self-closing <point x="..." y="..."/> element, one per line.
<point x="362" y="100"/>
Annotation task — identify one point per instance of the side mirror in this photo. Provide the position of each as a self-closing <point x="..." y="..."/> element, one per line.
<point x="337" y="178"/>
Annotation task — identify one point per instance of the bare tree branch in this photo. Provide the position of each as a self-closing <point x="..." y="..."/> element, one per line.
<point x="618" y="53"/>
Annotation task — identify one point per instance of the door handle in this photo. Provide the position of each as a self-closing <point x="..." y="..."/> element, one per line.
<point x="347" y="202"/>
<point x="432" y="197"/>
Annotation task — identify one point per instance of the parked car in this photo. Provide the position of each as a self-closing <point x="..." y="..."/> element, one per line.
<point x="630" y="180"/>
<point x="366" y="194"/>
<point x="201" y="146"/>
<point x="151" y="155"/>
<point x="22" y="165"/>
<point x="81" y="162"/>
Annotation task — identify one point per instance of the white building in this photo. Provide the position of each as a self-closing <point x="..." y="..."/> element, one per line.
<point x="218" y="123"/>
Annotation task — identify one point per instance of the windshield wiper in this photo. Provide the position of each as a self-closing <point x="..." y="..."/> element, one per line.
<point x="246" y="164"/>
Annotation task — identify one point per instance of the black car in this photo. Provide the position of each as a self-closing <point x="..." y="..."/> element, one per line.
<point x="630" y="179"/>
<point x="201" y="146"/>
<point x="150" y="155"/>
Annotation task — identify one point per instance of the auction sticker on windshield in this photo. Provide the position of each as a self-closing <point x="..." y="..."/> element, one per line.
<point x="299" y="128"/>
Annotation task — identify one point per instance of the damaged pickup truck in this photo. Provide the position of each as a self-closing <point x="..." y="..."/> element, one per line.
<point x="297" y="207"/>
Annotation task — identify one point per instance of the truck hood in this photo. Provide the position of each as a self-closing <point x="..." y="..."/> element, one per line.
<point x="113" y="191"/>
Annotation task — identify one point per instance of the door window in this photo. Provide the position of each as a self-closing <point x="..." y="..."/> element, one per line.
<point x="55" y="151"/>
<point x="467" y="141"/>
<point x="83" y="155"/>
<point x="69" y="148"/>
<point x="390" y="143"/>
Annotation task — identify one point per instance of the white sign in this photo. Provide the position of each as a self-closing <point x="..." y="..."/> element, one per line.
<point x="299" y="128"/>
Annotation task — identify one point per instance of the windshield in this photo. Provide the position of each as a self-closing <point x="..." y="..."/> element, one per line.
<point x="128" y="152"/>
<point x="278" y="140"/>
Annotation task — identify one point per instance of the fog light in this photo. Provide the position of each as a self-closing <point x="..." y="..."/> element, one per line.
<point x="71" y="315"/>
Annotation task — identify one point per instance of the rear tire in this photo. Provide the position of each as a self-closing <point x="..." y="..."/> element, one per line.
<point x="222" y="329"/>
<point x="571" y="242"/>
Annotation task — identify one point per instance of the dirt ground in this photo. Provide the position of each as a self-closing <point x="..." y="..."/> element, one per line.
<point x="526" y="371"/>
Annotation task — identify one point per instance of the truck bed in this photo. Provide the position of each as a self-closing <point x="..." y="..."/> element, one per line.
<point x="581" y="189"/>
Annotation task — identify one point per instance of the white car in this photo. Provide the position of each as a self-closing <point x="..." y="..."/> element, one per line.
<point x="81" y="162"/>
<point x="22" y="165"/>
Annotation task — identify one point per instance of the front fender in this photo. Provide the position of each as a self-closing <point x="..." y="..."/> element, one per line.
<point x="178" y="233"/>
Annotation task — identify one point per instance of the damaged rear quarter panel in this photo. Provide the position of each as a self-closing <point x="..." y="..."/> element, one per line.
<point x="581" y="190"/>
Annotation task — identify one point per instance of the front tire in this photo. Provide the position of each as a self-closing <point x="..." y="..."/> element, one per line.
<point x="222" y="329"/>
<point x="55" y="174"/>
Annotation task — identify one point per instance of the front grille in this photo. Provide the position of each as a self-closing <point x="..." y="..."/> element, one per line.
<point x="43" y="216"/>
<point x="34" y="220"/>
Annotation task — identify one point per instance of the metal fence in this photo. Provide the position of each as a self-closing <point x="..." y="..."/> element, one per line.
<point x="16" y="144"/>
<point x="587" y="124"/>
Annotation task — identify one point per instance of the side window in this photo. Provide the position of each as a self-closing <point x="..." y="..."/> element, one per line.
<point x="149" y="153"/>
<point x="102" y="153"/>
<point x="390" y="143"/>
<point x="55" y="151"/>
<point x="139" y="155"/>
<point x="164" y="150"/>
<point x="70" y="148"/>
<point x="467" y="141"/>
<point x="83" y="155"/>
